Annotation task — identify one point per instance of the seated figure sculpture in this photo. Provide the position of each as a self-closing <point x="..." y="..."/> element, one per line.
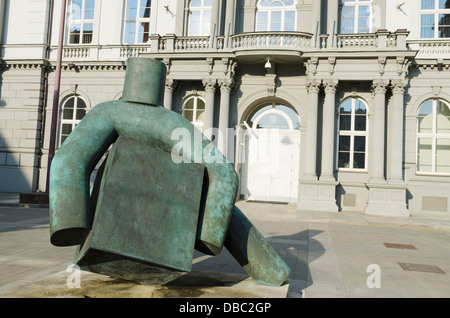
<point x="146" y="214"/>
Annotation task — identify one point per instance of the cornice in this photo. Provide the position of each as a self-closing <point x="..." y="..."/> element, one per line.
<point x="92" y="66"/>
<point x="23" y="64"/>
<point x="66" y="66"/>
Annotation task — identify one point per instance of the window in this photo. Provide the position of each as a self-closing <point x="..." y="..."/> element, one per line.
<point x="433" y="137"/>
<point x="356" y="16"/>
<point x="435" y="19"/>
<point x="275" y="116"/>
<point x="137" y="21"/>
<point x="194" y="110"/>
<point x="353" y="131"/>
<point x="199" y="18"/>
<point x="81" y="25"/>
<point x="275" y="15"/>
<point x="73" y="110"/>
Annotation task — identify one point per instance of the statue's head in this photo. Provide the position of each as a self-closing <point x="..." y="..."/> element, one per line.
<point x="145" y="81"/>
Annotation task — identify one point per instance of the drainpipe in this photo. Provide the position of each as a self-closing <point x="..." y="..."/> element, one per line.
<point x="51" y="150"/>
<point x="47" y="70"/>
<point x="2" y="19"/>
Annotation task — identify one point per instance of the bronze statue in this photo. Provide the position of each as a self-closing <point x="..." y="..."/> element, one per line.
<point x="146" y="214"/>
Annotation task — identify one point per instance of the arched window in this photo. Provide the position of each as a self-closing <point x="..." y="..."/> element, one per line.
<point x="275" y="116"/>
<point x="194" y="110"/>
<point x="356" y="16"/>
<point x="199" y="18"/>
<point x="73" y="110"/>
<point x="433" y="137"/>
<point x="275" y="15"/>
<point x="353" y="132"/>
<point x="137" y="21"/>
<point x="81" y="22"/>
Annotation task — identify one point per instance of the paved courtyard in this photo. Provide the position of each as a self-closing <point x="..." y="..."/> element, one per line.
<point x="330" y="255"/>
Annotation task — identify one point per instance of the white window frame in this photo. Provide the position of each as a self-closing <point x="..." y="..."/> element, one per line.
<point x="202" y="9"/>
<point x="138" y="21"/>
<point x="270" y="11"/>
<point x="196" y="98"/>
<point x="356" y="4"/>
<point x="433" y="135"/>
<point x="73" y="121"/>
<point x="352" y="133"/>
<point x="435" y="12"/>
<point x="82" y="22"/>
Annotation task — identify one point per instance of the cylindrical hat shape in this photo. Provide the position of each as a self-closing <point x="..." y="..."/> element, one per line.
<point x="145" y="81"/>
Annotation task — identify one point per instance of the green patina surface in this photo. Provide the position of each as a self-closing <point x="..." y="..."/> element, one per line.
<point x="140" y="119"/>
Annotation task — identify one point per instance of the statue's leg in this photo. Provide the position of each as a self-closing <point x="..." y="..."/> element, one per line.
<point x="249" y="247"/>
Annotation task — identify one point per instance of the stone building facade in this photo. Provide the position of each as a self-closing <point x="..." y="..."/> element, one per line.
<point x="332" y="105"/>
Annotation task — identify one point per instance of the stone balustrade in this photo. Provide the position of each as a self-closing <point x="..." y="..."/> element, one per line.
<point x="253" y="41"/>
<point x="382" y="39"/>
<point x="271" y="40"/>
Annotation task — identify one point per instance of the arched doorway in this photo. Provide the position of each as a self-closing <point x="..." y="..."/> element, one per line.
<point x="272" y="154"/>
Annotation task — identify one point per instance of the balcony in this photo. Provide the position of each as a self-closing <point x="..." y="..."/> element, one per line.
<point x="256" y="44"/>
<point x="283" y="41"/>
<point x="381" y="40"/>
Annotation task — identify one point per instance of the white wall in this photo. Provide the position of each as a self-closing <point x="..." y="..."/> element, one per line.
<point x="405" y="17"/>
<point x="163" y="21"/>
<point x="25" y="26"/>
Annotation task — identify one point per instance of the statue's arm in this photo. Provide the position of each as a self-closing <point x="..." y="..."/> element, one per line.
<point x="220" y="200"/>
<point x="70" y="218"/>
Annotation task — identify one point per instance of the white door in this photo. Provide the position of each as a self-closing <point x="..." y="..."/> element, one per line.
<point x="271" y="167"/>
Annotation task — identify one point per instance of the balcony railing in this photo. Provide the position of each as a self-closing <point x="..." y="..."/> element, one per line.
<point x="382" y="39"/>
<point x="101" y="52"/>
<point x="271" y="40"/>
<point x="280" y="42"/>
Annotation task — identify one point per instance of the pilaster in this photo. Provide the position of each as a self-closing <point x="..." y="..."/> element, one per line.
<point x="315" y="195"/>
<point x="313" y="88"/>
<point x="378" y="132"/>
<point x="170" y="87"/>
<point x="395" y="130"/>
<point x="328" y="132"/>
<point x="226" y="86"/>
<point x="210" y="88"/>
<point x="387" y="198"/>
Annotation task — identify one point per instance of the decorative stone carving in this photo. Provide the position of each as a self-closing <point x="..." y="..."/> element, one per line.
<point x="171" y="85"/>
<point x="379" y="86"/>
<point x="226" y="85"/>
<point x="311" y="66"/>
<point x="398" y="86"/>
<point x="313" y="86"/>
<point x="331" y="86"/>
<point x="210" y="85"/>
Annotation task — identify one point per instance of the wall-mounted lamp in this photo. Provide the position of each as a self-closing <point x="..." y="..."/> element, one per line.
<point x="268" y="65"/>
<point x="440" y="61"/>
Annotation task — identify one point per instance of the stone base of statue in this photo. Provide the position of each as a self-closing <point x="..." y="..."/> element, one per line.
<point x="195" y="284"/>
<point x="146" y="215"/>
